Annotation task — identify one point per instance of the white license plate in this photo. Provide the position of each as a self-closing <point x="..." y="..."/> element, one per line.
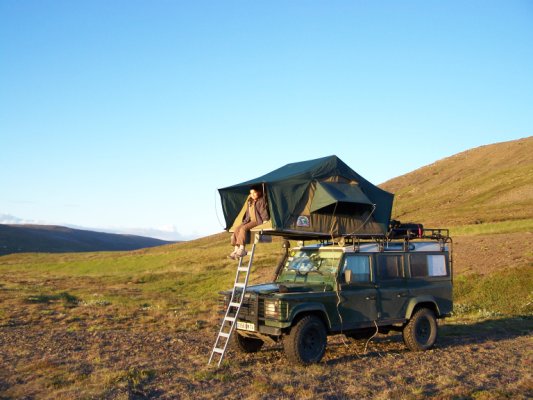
<point x="245" y="326"/>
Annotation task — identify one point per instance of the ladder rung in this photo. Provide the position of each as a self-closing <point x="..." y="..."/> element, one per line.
<point x="228" y="323"/>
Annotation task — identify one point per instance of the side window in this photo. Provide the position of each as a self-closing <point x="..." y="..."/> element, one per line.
<point x="390" y="266"/>
<point x="427" y="265"/>
<point x="419" y="265"/>
<point x="437" y="265"/>
<point x="360" y="267"/>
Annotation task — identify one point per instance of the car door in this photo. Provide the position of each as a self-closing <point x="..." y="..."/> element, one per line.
<point x="358" y="296"/>
<point x="393" y="293"/>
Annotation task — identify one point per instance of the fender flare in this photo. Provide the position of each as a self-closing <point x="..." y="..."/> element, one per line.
<point x="420" y="300"/>
<point x="310" y="308"/>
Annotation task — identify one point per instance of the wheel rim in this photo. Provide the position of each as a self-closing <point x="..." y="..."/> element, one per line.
<point x="311" y="343"/>
<point x="423" y="330"/>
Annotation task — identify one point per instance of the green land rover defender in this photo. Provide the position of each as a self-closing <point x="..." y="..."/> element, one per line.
<point x="356" y="288"/>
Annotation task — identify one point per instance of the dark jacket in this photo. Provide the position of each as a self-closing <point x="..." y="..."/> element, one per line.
<point x="261" y="211"/>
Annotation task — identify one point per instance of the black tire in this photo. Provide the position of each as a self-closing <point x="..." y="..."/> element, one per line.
<point x="248" y="344"/>
<point x="306" y="342"/>
<point x="420" y="333"/>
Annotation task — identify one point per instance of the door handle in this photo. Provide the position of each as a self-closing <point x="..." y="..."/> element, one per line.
<point x="370" y="298"/>
<point x="402" y="294"/>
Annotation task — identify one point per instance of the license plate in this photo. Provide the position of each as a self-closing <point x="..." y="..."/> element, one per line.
<point x="245" y="326"/>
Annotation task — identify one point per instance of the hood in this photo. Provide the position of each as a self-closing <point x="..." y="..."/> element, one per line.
<point x="269" y="288"/>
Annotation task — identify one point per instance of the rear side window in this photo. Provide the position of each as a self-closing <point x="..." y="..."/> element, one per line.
<point x="360" y="267"/>
<point x="390" y="266"/>
<point x="427" y="265"/>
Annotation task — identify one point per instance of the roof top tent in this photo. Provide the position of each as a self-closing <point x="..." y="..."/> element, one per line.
<point x="319" y="199"/>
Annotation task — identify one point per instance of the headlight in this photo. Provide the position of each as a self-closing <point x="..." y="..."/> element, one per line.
<point x="272" y="309"/>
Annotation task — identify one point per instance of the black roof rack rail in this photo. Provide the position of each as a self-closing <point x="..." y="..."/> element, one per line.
<point x="397" y="232"/>
<point x="436" y="233"/>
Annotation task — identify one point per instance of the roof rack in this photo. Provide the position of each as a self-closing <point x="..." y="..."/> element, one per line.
<point x="397" y="232"/>
<point x="436" y="233"/>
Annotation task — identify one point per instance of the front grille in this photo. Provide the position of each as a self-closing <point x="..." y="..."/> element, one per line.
<point x="249" y="308"/>
<point x="261" y="309"/>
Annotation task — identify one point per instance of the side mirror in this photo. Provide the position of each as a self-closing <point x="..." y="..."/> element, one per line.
<point x="348" y="275"/>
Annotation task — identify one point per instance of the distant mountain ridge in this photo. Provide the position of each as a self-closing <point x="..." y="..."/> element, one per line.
<point x="490" y="183"/>
<point x="168" y="233"/>
<point x="59" y="239"/>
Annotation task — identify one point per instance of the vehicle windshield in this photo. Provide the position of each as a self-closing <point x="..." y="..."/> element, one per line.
<point x="310" y="265"/>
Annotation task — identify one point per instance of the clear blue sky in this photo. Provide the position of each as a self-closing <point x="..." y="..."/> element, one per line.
<point x="130" y="114"/>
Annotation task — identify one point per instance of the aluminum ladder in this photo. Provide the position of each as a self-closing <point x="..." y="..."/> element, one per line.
<point x="232" y="312"/>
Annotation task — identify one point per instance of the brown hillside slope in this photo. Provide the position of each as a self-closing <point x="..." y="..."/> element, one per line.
<point x="486" y="184"/>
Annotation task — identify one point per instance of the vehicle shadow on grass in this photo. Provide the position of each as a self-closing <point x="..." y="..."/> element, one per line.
<point x="478" y="332"/>
<point x="450" y="335"/>
<point x="380" y="346"/>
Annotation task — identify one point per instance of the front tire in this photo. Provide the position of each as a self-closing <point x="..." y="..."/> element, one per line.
<point x="420" y="333"/>
<point x="248" y="344"/>
<point x="306" y="342"/>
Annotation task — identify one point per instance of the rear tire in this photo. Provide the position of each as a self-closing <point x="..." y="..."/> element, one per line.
<point x="306" y="342"/>
<point x="247" y="344"/>
<point x="420" y="333"/>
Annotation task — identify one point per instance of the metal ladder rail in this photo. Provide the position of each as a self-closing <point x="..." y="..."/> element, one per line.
<point x="225" y="336"/>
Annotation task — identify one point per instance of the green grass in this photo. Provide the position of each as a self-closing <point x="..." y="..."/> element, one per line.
<point x="164" y="278"/>
<point x="524" y="225"/>
<point x="185" y="279"/>
<point x="140" y="325"/>
<point x="135" y="378"/>
<point x="502" y="293"/>
<point x="66" y="298"/>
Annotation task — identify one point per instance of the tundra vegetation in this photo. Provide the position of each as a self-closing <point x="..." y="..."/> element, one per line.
<point x="141" y="324"/>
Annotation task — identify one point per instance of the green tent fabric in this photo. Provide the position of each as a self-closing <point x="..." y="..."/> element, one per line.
<point x="328" y="195"/>
<point x="315" y="198"/>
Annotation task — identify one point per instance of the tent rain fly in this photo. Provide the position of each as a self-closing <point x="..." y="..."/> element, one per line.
<point x="316" y="198"/>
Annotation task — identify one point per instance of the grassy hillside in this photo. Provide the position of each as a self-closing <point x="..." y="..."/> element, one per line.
<point x="141" y="324"/>
<point x="487" y="185"/>
<point x="485" y="196"/>
<point x="188" y="276"/>
<point x="184" y="274"/>
<point x="59" y="239"/>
